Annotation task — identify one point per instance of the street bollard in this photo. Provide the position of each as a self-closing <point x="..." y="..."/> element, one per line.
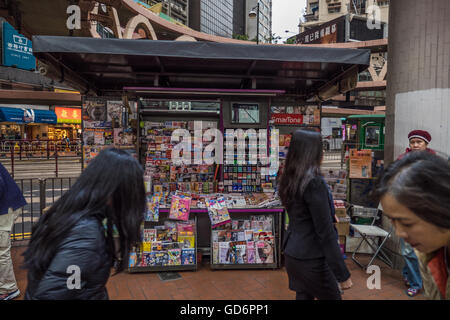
<point x="42" y="196"/>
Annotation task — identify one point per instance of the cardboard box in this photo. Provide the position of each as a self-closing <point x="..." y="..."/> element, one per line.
<point x="343" y="226"/>
<point x="341" y="212"/>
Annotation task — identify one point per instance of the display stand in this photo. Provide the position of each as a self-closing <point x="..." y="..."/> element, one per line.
<point x="164" y="213"/>
<point x="241" y="214"/>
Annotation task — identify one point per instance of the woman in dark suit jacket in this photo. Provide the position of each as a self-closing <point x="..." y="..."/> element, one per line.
<point x="312" y="255"/>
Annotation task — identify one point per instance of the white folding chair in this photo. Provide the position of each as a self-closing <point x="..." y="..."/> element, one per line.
<point x="372" y="235"/>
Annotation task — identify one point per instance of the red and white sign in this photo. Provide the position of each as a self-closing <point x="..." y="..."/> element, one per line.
<point x="286" y="118"/>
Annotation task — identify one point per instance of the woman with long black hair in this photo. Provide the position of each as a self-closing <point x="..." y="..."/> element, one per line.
<point x="72" y="249"/>
<point x="313" y="258"/>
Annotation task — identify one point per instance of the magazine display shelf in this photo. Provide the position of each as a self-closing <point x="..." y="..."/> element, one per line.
<point x="277" y="214"/>
<point x="164" y="214"/>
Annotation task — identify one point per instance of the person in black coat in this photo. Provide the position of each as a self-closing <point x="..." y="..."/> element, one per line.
<point x="72" y="251"/>
<point x="313" y="258"/>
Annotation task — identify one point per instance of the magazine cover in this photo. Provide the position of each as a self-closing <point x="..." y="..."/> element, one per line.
<point x="161" y="258"/>
<point x="188" y="256"/>
<point x="248" y="235"/>
<point x="223" y="252"/>
<point x="109" y="137"/>
<point x="251" y="253"/>
<point x="241" y="253"/>
<point x="114" y="113"/>
<point x="94" y="110"/>
<point x="171" y="227"/>
<point x="180" y="208"/>
<point x="218" y="212"/>
<point x="88" y="137"/>
<point x="123" y="138"/>
<point x="156" y="246"/>
<point x="215" y="252"/>
<point x="264" y="250"/>
<point x="267" y="224"/>
<point x="149" y="235"/>
<point x="99" y="137"/>
<point x="187" y="238"/>
<point x="174" y="257"/>
<point x="152" y="212"/>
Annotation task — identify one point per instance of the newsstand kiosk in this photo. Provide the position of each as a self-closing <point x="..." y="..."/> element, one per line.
<point x="202" y="118"/>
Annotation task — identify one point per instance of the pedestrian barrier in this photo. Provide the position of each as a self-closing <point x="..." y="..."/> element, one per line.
<point x="39" y="194"/>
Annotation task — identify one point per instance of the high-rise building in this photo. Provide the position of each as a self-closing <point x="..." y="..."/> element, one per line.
<point x="175" y="9"/>
<point x="212" y="16"/>
<point x="321" y="11"/>
<point x="265" y="20"/>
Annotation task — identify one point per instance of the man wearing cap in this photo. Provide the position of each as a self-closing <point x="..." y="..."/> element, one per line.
<point x="418" y="141"/>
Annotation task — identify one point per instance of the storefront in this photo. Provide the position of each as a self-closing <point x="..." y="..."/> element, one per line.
<point x="68" y="124"/>
<point x="25" y="123"/>
<point x="211" y="94"/>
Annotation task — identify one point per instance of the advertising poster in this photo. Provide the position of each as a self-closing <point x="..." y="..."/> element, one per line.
<point x="360" y="164"/>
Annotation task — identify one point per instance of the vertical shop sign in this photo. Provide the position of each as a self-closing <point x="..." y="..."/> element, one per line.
<point x="17" y="49"/>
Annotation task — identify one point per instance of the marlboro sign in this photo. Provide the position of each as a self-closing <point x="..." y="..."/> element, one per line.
<point x="285" y="118"/>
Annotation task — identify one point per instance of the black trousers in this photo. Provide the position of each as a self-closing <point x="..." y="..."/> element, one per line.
<point x="312" y="279"/>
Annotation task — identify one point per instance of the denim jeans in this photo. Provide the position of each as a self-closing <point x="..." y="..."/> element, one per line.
<point x="411" y="271"/>
<point x="7" y="279"/>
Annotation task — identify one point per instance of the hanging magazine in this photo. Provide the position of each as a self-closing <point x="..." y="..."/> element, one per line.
<point x="180" y="208"/>
<point x="218" y="212"/>
<point x="152" y="212"/>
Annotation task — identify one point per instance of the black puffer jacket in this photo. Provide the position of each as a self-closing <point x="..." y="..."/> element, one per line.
<point x="85" y="247"/>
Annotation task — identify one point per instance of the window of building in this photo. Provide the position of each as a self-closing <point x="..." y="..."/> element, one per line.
<point x="313" y="7"/>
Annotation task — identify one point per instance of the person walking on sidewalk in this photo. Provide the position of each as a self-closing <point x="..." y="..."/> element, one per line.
<point x="71" y="253"/>
<point x="414" y="193"/>
<point x="313" y="259"/>
<point x="11" y="200"/>
<point x="418" y="141"/>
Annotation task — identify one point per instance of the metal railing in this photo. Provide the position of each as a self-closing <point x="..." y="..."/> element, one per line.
<point x="18" y="155"/>
<point x="39" y="194"/>
<point x="26" y="149"/>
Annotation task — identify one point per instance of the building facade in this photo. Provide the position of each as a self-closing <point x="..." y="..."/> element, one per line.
<point x="321" y="11"/>
<point x="175" y="9"/>
<point x="212" y="16"/>
<point x="265" y="20"/>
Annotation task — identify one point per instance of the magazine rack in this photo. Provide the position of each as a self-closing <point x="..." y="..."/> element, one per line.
<point x="164" y="215"/>
<point x="241" y="214"/>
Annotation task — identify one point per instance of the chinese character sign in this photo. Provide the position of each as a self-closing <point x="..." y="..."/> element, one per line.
<point x="68" y="115"/>
<point x="17" y="49"/>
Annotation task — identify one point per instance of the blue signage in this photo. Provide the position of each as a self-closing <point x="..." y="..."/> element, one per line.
<point x="17" y="49"/>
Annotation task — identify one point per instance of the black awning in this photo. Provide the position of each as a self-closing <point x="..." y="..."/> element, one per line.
<point x="111" y="64"/>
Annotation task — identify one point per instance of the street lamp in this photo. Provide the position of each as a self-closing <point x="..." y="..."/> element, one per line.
<point x="255" y="14"/>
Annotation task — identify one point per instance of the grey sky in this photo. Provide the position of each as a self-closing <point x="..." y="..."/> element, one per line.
<point x="285" y="16"/>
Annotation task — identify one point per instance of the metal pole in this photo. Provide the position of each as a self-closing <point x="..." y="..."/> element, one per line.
<point x="257" y="23"/>
<point x="12" y="160"/>
<point x="42" y="196"/>
<point x="56" y="160"/>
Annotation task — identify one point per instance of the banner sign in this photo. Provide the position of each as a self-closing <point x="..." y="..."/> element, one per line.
<point x="68" y="115"/>
<point x="17" y="49"/>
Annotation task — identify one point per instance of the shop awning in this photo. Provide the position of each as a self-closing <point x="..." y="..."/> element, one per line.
<point x="102" y="65"/>
<point x="11" y="115"/>
<point x="44" y="116"/>
<point x="32" y="116"/>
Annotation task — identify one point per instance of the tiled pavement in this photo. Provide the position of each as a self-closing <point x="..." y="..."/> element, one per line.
<point x="207" y="284"/>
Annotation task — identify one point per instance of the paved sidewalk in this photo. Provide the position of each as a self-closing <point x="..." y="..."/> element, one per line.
<point x="206" y="284"/>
